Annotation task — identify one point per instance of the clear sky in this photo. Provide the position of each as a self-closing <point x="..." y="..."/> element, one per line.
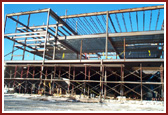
<point x="60" y="10"/>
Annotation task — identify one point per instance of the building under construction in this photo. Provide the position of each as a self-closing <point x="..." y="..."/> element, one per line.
<point x="99" y="53"/>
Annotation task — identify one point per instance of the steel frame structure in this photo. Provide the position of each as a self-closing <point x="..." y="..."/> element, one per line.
<point x="122" y="76"/>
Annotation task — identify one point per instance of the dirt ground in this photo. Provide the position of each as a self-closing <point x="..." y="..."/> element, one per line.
<point x="21" y="102"/>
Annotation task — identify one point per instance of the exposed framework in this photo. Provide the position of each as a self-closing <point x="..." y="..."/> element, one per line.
<point x="80" y="35"/>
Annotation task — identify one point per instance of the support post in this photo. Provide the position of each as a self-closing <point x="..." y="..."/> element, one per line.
<point x="25" y="87"/>
<point x="81" y="51"/>
<point x="162" y="81"/>
<point x="46" y="74"/>
<point x="124" y="49"/>
<point x="21" y="75"/>
<point x="89" y="73"/>
<point x="15" y="35"/>
<point x="45" y="45"/>
<point x="106" y="45"/>
<point x="5" y="23"/>
<point x="41" y="77"/>
<point x="101" y="72"/>
<point x="69" y="79"/>
<point x="26" y="38"/>
<point x="54" y="48"/>
<point x="105" y="92"/>
<point x="15" y="76"/>
<point x="33" y="71"/>
<point x="27" y="74"/>
<point x="59" y="76"/>
<point x="50" y="83"/>
<point x="85" y="81"/>
<point x="141" y="81"/>
<point x="74" y="73"/>
<point x="121" y="86"/>
<point x="10" y="74"/>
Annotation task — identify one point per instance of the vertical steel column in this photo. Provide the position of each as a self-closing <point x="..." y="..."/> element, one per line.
<point x="69" y="79"/>
<point x="106" y="45"/>
<point x="141" y="81"/>
<point x="46" y="74"/>
<point x="59" y="76"/>
<point x="10" y="74"/>
<point x="21" y="73"/>
<point x="85" y="80"/>
<point x="14" y="77"/>
<point x="45" y="44"/>
<point x="15" y="35"/>
<point x="101" y="84"/>
<point x="5" y="23"/>
<point x="88" y="79"/>
<point x="15" y="71"/>
<point x="54" y="48"/>
<point x="124" y="49"/>
<point x="89" y="73"/>
<point x="105" y="92"/>
<point x="26" y="38"/>
<point x="121" y="86"/>
<point x="25" y="87"/>
<point x="33" y="71"/>
<point x="72" y="91"/>
<point x="81" y="51"/>
<point x="55" y="68"/>
<point x="162" y="81"/>
<point x="101" y="69"/>
<point x="74" y="73"/>
<point x="27" y="74"/>
<point x="41" y="77"/>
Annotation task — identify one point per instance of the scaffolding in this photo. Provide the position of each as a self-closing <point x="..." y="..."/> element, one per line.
<point x="68" y="46"/>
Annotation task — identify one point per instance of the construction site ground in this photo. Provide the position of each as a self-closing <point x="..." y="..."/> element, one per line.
<point x="27" y="102"/>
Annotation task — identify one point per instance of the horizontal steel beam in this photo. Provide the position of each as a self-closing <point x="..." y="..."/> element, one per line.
<point x="29" y="36"/>
<point x="28" y="12"/>
<point x="123" y="34"/>
<point x="24" y="33"/>
<point x="92" y="81"/>
<point x="43" y="26"/>
<point x="90" y="61"/>
<point x="114" y="11"/>
<point x="67" y="65"/>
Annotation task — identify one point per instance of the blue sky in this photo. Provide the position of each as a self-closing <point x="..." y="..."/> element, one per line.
<point x="60" y="10"/>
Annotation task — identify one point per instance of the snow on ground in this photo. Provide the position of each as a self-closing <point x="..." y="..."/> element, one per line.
<point x="21" y="102"/>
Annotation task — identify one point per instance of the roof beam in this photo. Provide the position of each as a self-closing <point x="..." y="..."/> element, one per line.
<point x="28" y="12"/>
<point x="114" y="11"/>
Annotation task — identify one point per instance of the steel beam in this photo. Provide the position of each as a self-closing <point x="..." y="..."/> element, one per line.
<point x="106" y="45"/>
<point x="14" y="41"/>
<point x="141" y="81"/>
<point x="28" y="12"/>
<point x="123" y="34"/>
<point x="114" y="11"/>
<point x="89" y="61"/>
<point x="91" y="81"/>
<point x="26" y="37"/>
<point x="56" y="17"/>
